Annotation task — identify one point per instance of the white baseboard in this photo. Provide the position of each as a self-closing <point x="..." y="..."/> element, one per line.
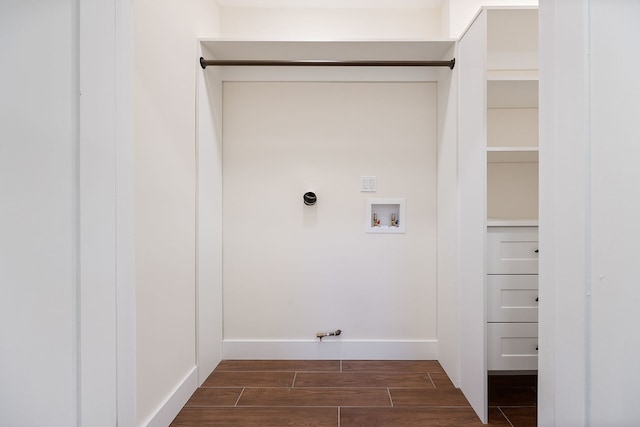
<point x="174" y="402"/>
<point x="331" y="349"/>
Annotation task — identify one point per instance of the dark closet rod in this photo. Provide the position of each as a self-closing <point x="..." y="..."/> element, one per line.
<point x="204" y="63"/>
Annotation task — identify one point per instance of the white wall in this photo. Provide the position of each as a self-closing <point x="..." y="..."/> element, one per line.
<point x="512" y="187"/>
<point x="456" y="15"/>
<point x="512" y="40"/>
<point x="405" y="21"/>
<point x="165" y="82"/>
<point x="512" y="190"/>
<point x="291" y="270"/>
<point x="512" y="127"/>
<point x="301" y="23"/>
<point x="38" y="187"/>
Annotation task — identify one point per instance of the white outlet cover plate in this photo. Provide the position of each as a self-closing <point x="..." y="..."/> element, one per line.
<point x="368" y="184"/>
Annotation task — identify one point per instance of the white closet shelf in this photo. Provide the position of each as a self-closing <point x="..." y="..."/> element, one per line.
<point x="512" y="75"/>
<point x="512" y="154"/>
<point x="500" y="222"/>
<point x="225" y="49"/>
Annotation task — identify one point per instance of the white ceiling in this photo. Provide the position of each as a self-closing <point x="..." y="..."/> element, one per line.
<point x="346" y="4"/>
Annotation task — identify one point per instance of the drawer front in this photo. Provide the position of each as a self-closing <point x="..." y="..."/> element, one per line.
<point x="512" y="346"/>
<point x="512" y="250"/>
<point x="512" y="298"/>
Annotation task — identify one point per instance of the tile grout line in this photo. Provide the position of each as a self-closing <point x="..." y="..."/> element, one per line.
<point x="371" y="371"/>
<point x="431" y="379"/>
<point x="373" y="387"/>
<point x="327" y="406"/>
<point x="287" y="370"/>
<point x="239" y="396"/>
<point x="505" y="417"/>
<point x="308" y="401"/>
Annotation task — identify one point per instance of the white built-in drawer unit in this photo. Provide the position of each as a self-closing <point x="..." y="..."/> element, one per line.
<point x="512" y="298"/>
<point x="512" y="250"/>
<point x="512" y="346"/>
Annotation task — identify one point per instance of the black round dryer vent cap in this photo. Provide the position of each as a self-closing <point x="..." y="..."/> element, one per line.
<point x="309" y="198"/>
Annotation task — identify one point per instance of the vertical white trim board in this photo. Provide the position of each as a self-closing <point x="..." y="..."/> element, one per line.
<point x="107" y="357"/>
<point x="447" y="228"/>
<point x="208" y="218"/>
<point x="472" y="189"/>
<point x="125" y="217"/>
<point x="564" y="215"/>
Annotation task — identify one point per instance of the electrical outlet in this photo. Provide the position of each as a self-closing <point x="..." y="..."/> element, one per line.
<point x="368" y="184"/>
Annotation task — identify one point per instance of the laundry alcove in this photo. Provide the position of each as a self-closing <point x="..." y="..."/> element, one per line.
<point x="271" y="271"/>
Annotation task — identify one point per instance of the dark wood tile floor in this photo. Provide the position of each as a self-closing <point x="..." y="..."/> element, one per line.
<point x="514" y="397"/>
<point x="349" y="393"/>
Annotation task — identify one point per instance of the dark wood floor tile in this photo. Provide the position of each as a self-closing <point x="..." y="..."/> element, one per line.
<point x="512" y="397"/>
<point x="427" y="397"/>
<point x="257" y="417"/>
<point x="214" y="397"/>
<point x="363" y="379"/>
<point x="315" y="397"/>
<point x="441" y="380"/>
<point x="521" y="417"/>
<point x="391" y="366"/>
<point x="496" y="418"/>
<point x="249" y="379"/>
<point x="408" y="417"/>
<point x="279" y="365"/>
<point x="513" y="381"/>
<point x="269" y="393"/>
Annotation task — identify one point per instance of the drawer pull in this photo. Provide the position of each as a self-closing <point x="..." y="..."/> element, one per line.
<point x="536" y="348"/>
<point x="536" y="299"/>
<point x="536" y="251"/>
